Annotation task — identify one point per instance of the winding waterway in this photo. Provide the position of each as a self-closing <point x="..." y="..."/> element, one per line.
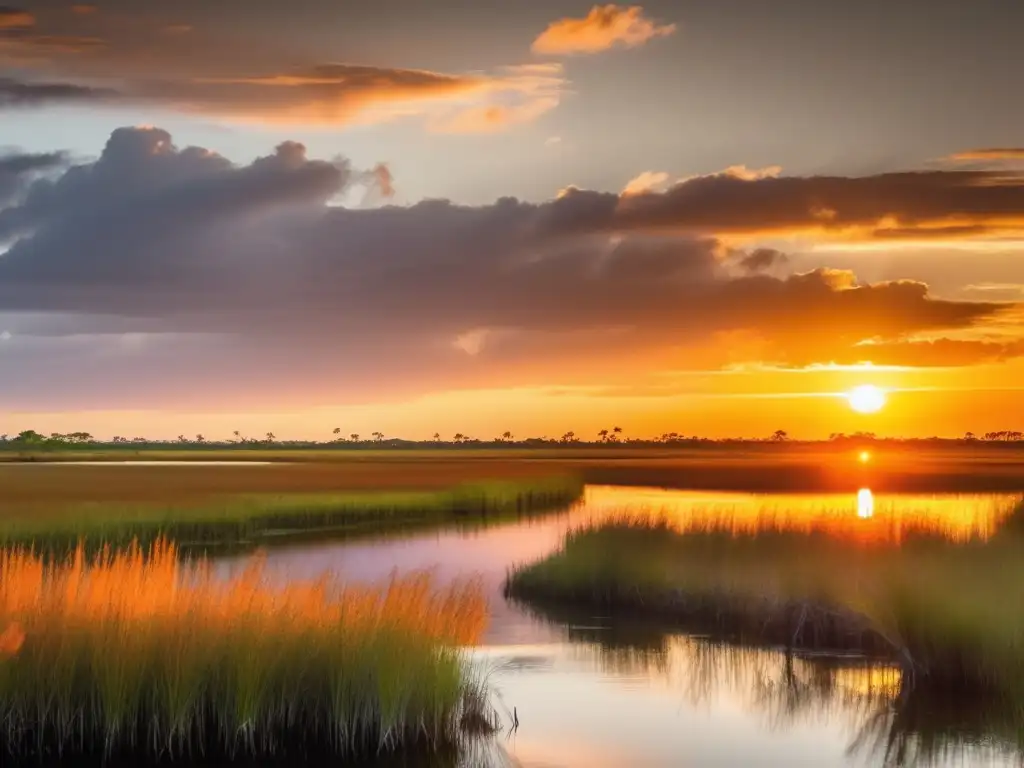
<point x="597" y="693"/>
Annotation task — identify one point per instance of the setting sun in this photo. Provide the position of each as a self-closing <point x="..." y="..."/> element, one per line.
<point x="866" y="398"/>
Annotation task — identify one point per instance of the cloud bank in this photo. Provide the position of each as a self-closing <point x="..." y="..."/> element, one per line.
<point x="165" y="266"/>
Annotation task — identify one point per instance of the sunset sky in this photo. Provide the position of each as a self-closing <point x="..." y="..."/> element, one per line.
<point x="705" y="217"/>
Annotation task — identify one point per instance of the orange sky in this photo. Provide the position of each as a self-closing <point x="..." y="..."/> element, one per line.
<point x="528" y="218"/>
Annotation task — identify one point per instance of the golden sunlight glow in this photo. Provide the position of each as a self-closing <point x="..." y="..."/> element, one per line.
<point x="865" y="503"/>
<point x="866" y="398"/>
<point x="864" y="457"/>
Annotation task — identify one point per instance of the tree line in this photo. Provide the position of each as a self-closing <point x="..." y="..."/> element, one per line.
<point x="32" y="440"/>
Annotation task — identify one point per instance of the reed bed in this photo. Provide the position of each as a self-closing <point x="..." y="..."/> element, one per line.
<point x="943" y="609"/>
<point x="138" y="655"/>
<point x="247" y="519"/>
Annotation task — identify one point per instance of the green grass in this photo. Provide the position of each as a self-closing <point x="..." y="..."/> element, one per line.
<point x="249" y="519"/>
<point x="950" y="613"/>
<point x="139" y="656"/>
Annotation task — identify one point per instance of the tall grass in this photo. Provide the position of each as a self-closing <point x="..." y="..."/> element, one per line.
<point x="246" y="519"/>
<point x="136" y="654"/>
<point x="948" y="611"/>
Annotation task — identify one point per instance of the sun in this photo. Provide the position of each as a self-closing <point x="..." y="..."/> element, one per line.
<point x="866" y="398"/>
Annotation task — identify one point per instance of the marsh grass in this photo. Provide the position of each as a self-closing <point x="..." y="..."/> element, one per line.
<point x="247" y="519"/>
<point x="947" y="611"/>
<point x="136" y="654"/>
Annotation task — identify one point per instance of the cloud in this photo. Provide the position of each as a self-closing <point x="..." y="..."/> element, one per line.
<point x="762" y="260"/>
<point x="84" y="9"/>
<point x="605" y="27"/>
<point x="222" y="75"/>
<point x="926" y="205"/>
<point x="253" y="272"/>
<point x="648" y="181"/>
<point x="938" y="353"/>
<point x="15" y="18"/>
<point x="18" y="170"/>
<point x="990" y="153"/>
<point x="15" y="93"/>
<point x="517" y="95"/>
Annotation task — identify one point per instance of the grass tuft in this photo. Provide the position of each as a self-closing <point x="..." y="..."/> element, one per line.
<point x="943" y="609"/>
<point x="136" y="654"/>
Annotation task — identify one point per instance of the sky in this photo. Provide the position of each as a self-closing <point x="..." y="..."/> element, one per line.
<point x="411" y="217"/>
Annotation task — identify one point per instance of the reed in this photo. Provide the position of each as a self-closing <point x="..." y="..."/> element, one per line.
<point x="243" y="520"/>
<point x="136" y="654"/>
<point x="941" y="608"/>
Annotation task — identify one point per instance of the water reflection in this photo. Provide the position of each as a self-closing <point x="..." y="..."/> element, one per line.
<point x="709" y="703"/>
<point x="865" y="503"/>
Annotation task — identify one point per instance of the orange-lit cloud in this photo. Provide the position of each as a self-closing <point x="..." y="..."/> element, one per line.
<point x="990" y="153"/>
<point x="15" y="18"/>
<point x="648" y="181"/>
<point x="160" y="65"/>
<point x="84" y="9"/>
<point x="605" y="27"/>
<point x="924" y="206"/>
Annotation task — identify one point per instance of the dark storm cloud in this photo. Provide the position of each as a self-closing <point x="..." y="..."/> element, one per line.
<point x="181" y="241"/>
<point x="16" y="93"/>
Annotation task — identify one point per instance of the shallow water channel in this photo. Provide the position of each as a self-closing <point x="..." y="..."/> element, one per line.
<point x="594" y="692"/>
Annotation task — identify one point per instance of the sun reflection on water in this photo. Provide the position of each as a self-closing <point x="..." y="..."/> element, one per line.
<point x="865" y="503"/>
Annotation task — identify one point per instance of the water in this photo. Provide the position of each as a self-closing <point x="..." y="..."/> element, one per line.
<point x="594" y="692"/>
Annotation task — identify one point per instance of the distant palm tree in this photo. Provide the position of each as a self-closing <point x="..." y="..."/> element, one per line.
<point x="337" y="430"/>
<point x="506" y="437"/>
<point x="355" y="437"/>
<point x="271" y="437"/>
<point x="437" y="437"/>
<point x="378" y="436"/>
<point x="459" y="437"/>
<point x="603" y="434"/>
<point x="200" y="438"/>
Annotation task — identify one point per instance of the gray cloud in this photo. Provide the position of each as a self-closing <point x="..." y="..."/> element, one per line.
<point x="17" y="171"/>
<point x="762" y="260"/>
<point x="17" y="93"/>
<point x="173" y="263"/>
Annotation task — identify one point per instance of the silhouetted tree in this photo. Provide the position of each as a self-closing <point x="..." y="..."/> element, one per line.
<point x="355" y="437"/>
<point x="780" y="436"/>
